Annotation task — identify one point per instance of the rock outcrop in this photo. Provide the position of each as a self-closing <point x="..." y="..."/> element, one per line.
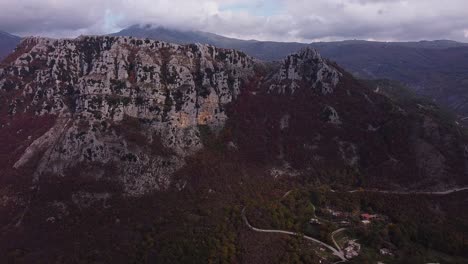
<point x="306" y="69"/>
<point x="96" y="86"/>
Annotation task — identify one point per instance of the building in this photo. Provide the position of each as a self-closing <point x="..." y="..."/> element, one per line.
<point x="314" y="221"/>
<point x="368" y="217"/>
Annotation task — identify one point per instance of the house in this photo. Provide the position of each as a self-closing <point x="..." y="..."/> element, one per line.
<point x="314" y="221"/>
<point x="368" y="217"/>
<point x="352" y="249"/>
<point x="334" y="213"/>
<point x="366" y="222"/>
<point x="386" y="252"/>
<point x="344" y="223"/>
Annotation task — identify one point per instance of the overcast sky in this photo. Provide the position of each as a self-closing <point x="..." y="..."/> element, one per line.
<point x="281" y="20"/>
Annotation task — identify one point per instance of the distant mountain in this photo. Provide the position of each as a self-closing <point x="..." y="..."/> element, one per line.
<point x="8" y="43"/>
<point x="436" y="69"/>
<point x="265" y="50"/>
<point x="437" y="73"/>
<point x="271" y="50"/>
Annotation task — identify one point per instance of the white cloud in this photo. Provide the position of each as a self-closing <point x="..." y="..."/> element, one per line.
<point x="300" y="20"/>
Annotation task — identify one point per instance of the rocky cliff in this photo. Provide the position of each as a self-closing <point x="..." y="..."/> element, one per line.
<point x="114" y="99"/>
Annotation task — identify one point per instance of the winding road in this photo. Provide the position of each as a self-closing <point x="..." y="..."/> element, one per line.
<point x="333" y="237"/>
<point x="446" y="192"/>
<point x="336" y="251"/>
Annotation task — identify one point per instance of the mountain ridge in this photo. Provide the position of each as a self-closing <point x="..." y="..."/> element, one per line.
<point x="193" y="36"/>
<point x="434" y="69"/>
<point x="292" y="74"/>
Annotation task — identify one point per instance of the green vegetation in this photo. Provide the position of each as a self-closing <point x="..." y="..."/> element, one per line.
<point x="416" y="228"/>
<point x="118" y="85"/>
<point x="405" y="97"/>
<point x="178" y="98"/>
<point x="167" y="105"/>
<point x="293" y="212"/>
<point x="201" y="238"/>
<point x="298" y="251"/>
<point x="222" y="55"/>
<point x="210" y="139"/>
<point x="341" y="178"/>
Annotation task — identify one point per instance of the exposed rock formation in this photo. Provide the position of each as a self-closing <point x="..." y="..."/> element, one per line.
<point x="306" y="68"/>
<point x="129" y="111"/>
<point x="97" y="85"/>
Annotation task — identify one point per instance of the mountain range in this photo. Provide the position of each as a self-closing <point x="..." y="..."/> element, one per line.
<point x="436" y="70"/>
<point x="123" y="149"/>
<point x="271" y="50"/>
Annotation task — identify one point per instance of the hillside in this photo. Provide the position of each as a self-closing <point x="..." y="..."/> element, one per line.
<point x="119" y="148"/>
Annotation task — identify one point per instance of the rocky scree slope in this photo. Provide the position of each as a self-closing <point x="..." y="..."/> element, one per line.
<point x="129" y="111"/>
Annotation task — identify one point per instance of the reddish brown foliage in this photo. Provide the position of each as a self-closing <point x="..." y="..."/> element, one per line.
<point x="17" y="134"/>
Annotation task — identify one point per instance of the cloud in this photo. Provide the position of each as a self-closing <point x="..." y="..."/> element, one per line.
<point x="284" y="20"/>
<point x="28" y="16"/>
<point x="381" y="19"/>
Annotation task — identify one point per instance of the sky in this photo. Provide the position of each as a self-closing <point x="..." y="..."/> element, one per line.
<point x="278" y="20"/>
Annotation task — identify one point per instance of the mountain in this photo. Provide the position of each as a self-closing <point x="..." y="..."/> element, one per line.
<point x="8" y="43"/>
<point x="120" y="149"/>
<point x="271" y="50"/>
<point x="439" y="74"/>
<point x="264" y="50"/>
<point x="434" y="69"/>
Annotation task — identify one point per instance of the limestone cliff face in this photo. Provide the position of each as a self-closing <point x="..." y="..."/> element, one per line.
<point x="115" y="96"/>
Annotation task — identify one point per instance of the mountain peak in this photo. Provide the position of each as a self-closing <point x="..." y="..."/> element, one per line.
<point x="307" y="69"/>
<point x="308" y="53"/>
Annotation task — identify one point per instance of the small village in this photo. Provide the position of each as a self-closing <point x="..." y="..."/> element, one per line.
<point x="350" y="246"/>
